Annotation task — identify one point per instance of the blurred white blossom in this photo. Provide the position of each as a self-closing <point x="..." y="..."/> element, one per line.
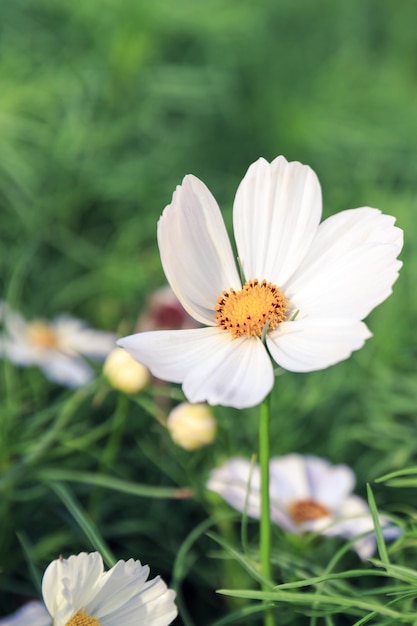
<point x="307" y="494"/>
<point x="56" y="347"/>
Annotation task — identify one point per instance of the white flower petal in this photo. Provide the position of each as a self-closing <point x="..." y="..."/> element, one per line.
<point x="14" y="344"/>
<point x="152" y="604"/>
<point x="126" y="597"/>
<point x="14" y="322"/>
<point x="212" y="366"/>
<point x="18" y="351"/>
<point x="77" y="575"/>
<point x="195" y="250"/>
<point x="280" y="516"/>
<point x="297" y="477"/>
<point x="276" y="214"/>
<point x="287" y="484"/>
<point x="69" y="371"/>
<point x="306" y="345"/>
<point x="118" y="585"/>
<point x="351" y="266"/>
<point x="288" y="479"/>
<point x="355" y="519"/>
<point x="329" y="484"/>
<point x="170" y="354"/>
<point x="346" y="525"/>
<point x="237" y="481"/>
<point x="75" y="337"/>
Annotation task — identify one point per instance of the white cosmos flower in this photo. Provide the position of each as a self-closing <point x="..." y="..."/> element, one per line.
<point x="308" y="285"/>
<point x="57" y="347"/>
<point x="307" y="494"/>
<point x="78" y="592"/>
<point x="31" y="614"/>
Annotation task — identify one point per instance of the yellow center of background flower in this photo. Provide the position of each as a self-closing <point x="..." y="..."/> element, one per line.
<point x="82" y="619"/>
<point x="246" y="312"/>
<point x="307" y="511"/>
<point x="41" y="335"/>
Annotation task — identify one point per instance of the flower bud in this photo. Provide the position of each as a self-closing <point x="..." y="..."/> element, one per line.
<point x="192" y="426"/>
<point x="124" y="373"/>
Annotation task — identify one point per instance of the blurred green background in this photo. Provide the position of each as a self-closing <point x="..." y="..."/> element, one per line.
<point x="104" y="107"/>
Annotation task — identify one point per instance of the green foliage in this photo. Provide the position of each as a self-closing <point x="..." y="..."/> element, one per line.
<point x="105" y="106"/>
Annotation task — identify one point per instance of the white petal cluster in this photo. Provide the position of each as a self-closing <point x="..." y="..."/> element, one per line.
<point x="308" y="481"/>
<point x="56" y="347"/>
<point x="332" y="274"/>
<point x="121" y="596"/>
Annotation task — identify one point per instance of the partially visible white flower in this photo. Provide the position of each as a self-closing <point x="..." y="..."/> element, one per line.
<point x="57" y="347"/>
<point x="78" y="592"/>
<point x="192" y="426"/>
<point x="306" y="290"/>
<point x="31" y="614"/>
<point x="124" y="373"/>
<point x="307" y="494"/>
<point x="238" y="482"/>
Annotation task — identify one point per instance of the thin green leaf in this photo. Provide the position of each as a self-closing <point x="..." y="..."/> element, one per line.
<point x="380" y="542"/>
<point x="108" y="482"/>
<point x="246" y="563"/>
<point x="402" y="472"/>
<point x="310" y="598"/>
<point x="85" y="523"/>
<point x="35" y="575"/>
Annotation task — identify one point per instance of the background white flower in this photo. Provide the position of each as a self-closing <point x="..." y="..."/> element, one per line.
<point x="57" y="347"/>
<point x="31" y="614"/>
<point x="78" y="588"/>
<point x="308" y="285"/>
<point x="307" y="494"/>
<point x="238" y="482"/>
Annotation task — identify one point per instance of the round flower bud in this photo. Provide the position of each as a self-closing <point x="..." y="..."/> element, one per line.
<point x="124" y="373"/>
<point x="192" y="426"/>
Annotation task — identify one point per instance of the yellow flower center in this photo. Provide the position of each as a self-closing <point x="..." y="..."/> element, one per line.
<point x="307" y="511"/>
<point x="82" y="619"/>
<point x="246" y="312"/>
<point x="40" y="335"/>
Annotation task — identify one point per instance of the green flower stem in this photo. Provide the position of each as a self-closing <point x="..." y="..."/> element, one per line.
<point x="265" y="525"/>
